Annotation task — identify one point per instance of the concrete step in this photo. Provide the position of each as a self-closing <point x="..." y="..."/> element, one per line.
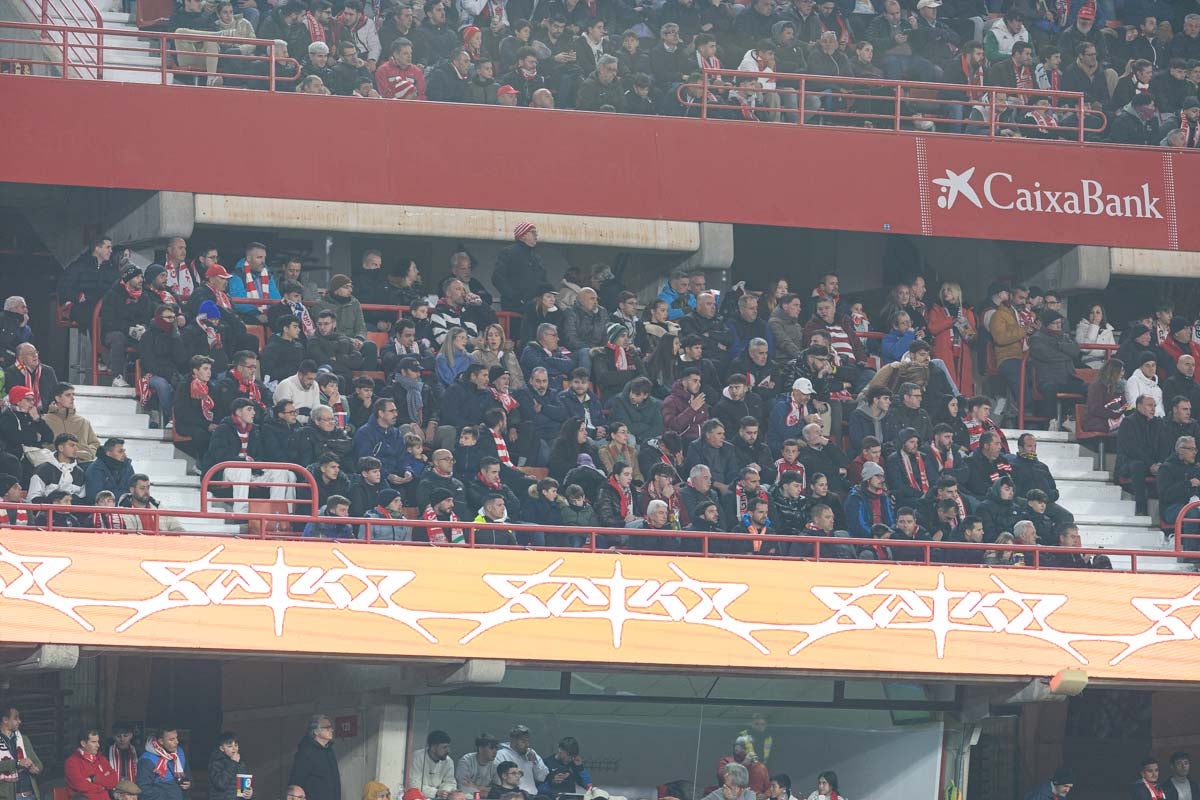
<point x="136" y="434"/>
<point x="1107" y="520"/>
<point x="1047" y="450"/>
<point x="1152" y="564"/>
<point x="1041" y="436"/>
<point x="1076" y="475"/>
<point x="104" y="391"/>
<point x="1059" y="464"/>
<point x="120" y="422"/>
<point x="1122" y="538"/>
<point x="1115" y="511"/>
<point x="127" y="58"/>
<point x="1088" y="490"/>
<point x="162" y="470"/>
<point x="118" y="19"/>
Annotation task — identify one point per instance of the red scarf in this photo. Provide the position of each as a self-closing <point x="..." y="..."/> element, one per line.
<point x="166" y="761"/>
<point x="918" y="480"/>
<point x="179" y="279"/>
<point x="248" y="388"/>
<point x="1191" y="133"/>
<point x="222" y="298"/>
<point x="495" y="487"/>
<point x="437" y="535"/>
<point x="243" y="433"/>
<point x="505" y="400"/>
<point x="33" y="380"/>
<point x="165" y="296"/>
<point x="944" y="461"/>
<point x="529" y="74"/>
<point x="672" y="507"/>
<point x="624" y="494"/>
<point x="620" y="357"/>
<point x="742" y="502"/>
<point x="316" y="32"/>
<point x="212" y="335"/>
<point x="843" y="32"/>
<point x="501" y="449"/>
<point x="143" y="388"/>
<point x="795" y="412"/>
<point x="108" y="521"/>
<point x="1044" y="120"/>
<point x="974" y="76"/>
<point x="712" y="62"/>
<point x="132" y="296"/>
<point x="1062" y="10"/>
<point x="1156" y="793"/>
<point x="1024" y="76"/>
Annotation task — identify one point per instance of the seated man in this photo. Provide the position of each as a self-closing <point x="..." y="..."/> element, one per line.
<point x="123" y="319"/>
<point x="819" y="454"/>
<point x="869" y="503"/>
<point x="736" y="502"/>
<point x="1068" y="536"/>
<point x="1030" y="473"/>
<point x="1178" y="483"/>
<point x="242" y="382"/>
<point x="62" y="418"/>
<point x="284" y="351"/>
<point x="251" y="280"/>
<point x="585" y="325"/>
<point x="1137" y="451"/>
<point x="455" y="310"/>
<point x="546" y="353"/>
<point x="910" y="474"/>
<point x="985" y="466"/>
<point x="301" y="389"/>
<point x="703" y="321"/>
<point x="969" y="531"/>
<point x="334" y="350"/>
<point x="907" y="414"/>
<point x="870" y="452"/>
<point x="1000" y="511"/>
<point x="237" y="438"/>
<point x="29" y="371"/>
<point x="849" y="354"/>
<point x="711" y="449"/>
<point x="62" y="473"/>
<point x="978" y="421"/>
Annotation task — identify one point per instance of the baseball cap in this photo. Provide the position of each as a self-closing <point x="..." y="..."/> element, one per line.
<point x="410" y="364"/>
<point x="1088" y="11"/>
<point x="216" y="271"/>
<point x="506" y="89"/>
<point x="803" y="385"/>
<point x="19" y="393"/>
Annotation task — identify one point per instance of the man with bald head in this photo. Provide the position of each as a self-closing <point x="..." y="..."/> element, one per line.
<point x="585" y="325"/>
<point x="182" y="278"/>
<point x="1182" y="382"/>
<point x="440" y="477"/>
<point x="28" y="370"/>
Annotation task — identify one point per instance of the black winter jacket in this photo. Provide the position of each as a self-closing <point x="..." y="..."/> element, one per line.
<point x="315" y="769"/>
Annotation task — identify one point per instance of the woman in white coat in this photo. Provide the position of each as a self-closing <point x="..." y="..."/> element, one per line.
<point x="1143" y="380"/>
<point x="1094" y="329"/>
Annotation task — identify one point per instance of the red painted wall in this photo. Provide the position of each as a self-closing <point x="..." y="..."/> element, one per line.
<point x="154" y="137"/>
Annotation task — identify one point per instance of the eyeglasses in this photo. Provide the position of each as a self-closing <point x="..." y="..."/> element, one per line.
<point x="291" y="413"/>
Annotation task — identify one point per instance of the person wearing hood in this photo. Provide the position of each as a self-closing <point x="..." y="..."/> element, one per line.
<point x="616" y="363"/>
<point x="867" y="419"/>
<point x="869" y="503"/>
<point x="1054" y="354"/>
<point x="910" y="473"/>
<point x="1144" y="381"/>
<point x="999" y="512"/>
<point x="637" y="408"/>
<point x="315" y="766"/>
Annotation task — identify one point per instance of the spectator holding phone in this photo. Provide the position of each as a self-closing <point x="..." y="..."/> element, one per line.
<point x="567" y="771"/>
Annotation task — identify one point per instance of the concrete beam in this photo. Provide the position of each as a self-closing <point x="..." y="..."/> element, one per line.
<point x="1155" y="263"/>
<point x="163" y="215"/>
<point x="428" y="221"/>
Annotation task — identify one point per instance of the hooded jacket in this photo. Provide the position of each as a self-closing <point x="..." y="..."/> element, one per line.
<point x="981" y="474"/>
<point x="1054" y="357"/>
<point x="898" y="476"/>
<point x="860" y="504"/>
<point x="998" y="516"/>
<point x="787" y="333"/>
<point x="1137" y="384"/>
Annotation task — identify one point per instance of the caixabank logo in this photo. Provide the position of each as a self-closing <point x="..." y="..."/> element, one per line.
<point x="1003" y="192"/>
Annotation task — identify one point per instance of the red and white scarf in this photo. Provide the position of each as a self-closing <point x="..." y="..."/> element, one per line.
<point x="243" y="434"/>
<point x="919" y="479"/>
<point x="198" y="390"/>
<point x="945" y="460"/>
<point x="258" y="287"/>
<point x="505" y="399"/>
<point x="123" y="761"/>
<point x="1024" y="76"/>
<point x="248" y="388"/>
<point x="1153" y="790"/>
<point x="1044" y="120"/>
<point x="620" y="357"/>
<point x="672" y="507"/>
<point x="109" y="521"/>
<point x="711" y="62"/>
<point x="742" y="501"/>
<point x="22" y="517"/>
<point x="1191" y="132"/>
<point x="624" y="494"/>
<point x="843" y="33"/>
<point x="437" y="535"/>
<point x="18" y="756"/>
<point x="973" y="75"/>
<point x="33" y="380"/>
<point x="796" y="412"/>
<point x="502" y="449"/>
<point x="316" y="32"/>
<point x="495" y="487"/>
<point x="166" y="761"/>
<point x="179" y="279"/>
<point x="301" y="313"/>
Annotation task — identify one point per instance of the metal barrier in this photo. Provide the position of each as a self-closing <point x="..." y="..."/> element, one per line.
<point x="209" y="480"/>
<point x="706" y="546"/>
<point x="73" y="40"/>
<point x="76" y="15"/>
<point x="1190" y="508"/>
<point x="874" y="94"/>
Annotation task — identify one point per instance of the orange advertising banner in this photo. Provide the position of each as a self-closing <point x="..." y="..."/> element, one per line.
<point x="379" y="600"/>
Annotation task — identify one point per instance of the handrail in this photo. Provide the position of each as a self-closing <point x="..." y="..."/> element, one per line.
<point x="1194" y="505"/>
<point x="922" y="549"/>
<point x="88" y="15"/>
<point x="209" y="479"/>
<point x="826" y="86"/>
<point x="65" y="64"/>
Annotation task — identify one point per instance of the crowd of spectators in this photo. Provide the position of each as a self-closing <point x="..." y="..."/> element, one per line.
<point x="1138" y="63"/>
<point x="757" y="412"/>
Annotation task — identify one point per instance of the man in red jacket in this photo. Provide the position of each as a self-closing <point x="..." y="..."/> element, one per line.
<point x="89" y="773"/>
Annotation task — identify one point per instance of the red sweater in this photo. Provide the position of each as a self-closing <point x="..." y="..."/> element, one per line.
<point x="95" y="778"/>
<point x="389" y="78"/>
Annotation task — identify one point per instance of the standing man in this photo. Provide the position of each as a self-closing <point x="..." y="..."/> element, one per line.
<point x="14" y="746"/>
<point x="1180" y="786"/>
<point x="518" y="272"/>
<point x="315" y="768"/>
<point x="432" y="770"/>
<point x="87" y="772"/>
<point x="162" y="771"/>
<point x="518" y="751"/>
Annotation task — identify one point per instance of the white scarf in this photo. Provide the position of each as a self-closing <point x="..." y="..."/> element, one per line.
<point x="18" y="756"/>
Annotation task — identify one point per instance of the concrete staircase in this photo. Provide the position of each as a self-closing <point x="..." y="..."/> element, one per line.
<point x="113" y="412"/>
<point x="137" y="61"/>
<point x="1105" y="517"/>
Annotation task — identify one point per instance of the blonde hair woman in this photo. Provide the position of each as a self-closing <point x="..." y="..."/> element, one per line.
<point x="952" y="326"/>
<point x="498" y="351"/>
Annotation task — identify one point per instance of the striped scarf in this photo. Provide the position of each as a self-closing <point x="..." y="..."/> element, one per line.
<point x="108" y="521"/>
<point x="33" y="380"/>
<point x="437" y="535"/>
<point x="19" y="743"/>
<point x="502" y="449"/>
<point x="918" y="480"/>
<point x="243" y="434"/>
<point x="166" y="761"/>
<point x="179" y="279"/>
<point x="782" y="466"/>
<point x="258" y="287"/>
<point x="316" y="32"/>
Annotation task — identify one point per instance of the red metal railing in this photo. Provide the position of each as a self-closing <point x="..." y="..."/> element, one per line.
<point x="305" y="481"/>
<point x="921" y="551"/>
<point x="1021" y="399"/>
<point x="71" y="41"/>
<point x="1192" y="508"/>
<point x="77" y="16"/>
<point x="866" y="105"/>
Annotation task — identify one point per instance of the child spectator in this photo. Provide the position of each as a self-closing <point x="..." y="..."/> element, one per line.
<point x="466" y="454"/>
<point x="577" y="513"/>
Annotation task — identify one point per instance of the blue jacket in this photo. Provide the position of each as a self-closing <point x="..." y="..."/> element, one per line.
<point x="386" y="444"/>
<point x="858" y="512"/>
<point x="324" y="530"/>
<point x="237" y="288"/>
<point x="671" y="298"/>
<point x="777" y="429"/>
<point x="579" y="777"/>
<point x="449" y="365"/>
<point x="165" y="788"/>
<point x="557" y="366"/>
<point x="106" y="473"/>
<point x="895" y="345"/>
